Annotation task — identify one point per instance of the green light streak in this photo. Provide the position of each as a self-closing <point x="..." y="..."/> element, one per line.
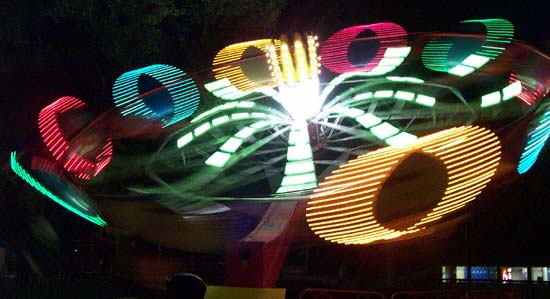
<point x="231" y="145"/>
<point x="201" y="129"/>
<point x="228" y="106"/>
<point x="405" y="79"/>
<point x="425" y="100"/>
<point x="183" y="141"/>
<point x="299" y="179"/>
<point x="264" y="123"/>
<point x="368" y="120"/>
<point x="22" y="173"/>
<point x="220" y="120"/>
<point x="218" y="84"/>
<point x="221" y="157"/>
<point x="363" y="96"/>
<point x="353" y="112"/>
<point x="504" y="94"/>
<point x="461" y="70"/>
<point x="393" y="57"/>
<point x="435" y="55"/>
<point x="398" y="52"/>
<point x="241" y="115"/>
<point x="299" y="152"/>
<point x="218" y="159"/>
<point x="490" y="99"/>
<point x="475" y="61"/>
<point x="245" y="132"/>
<point x="401" y="139"/>
<point x="223" y="119"/>
<point x="384" y="130"/>
<point x="511" y="90"/>
<point x="271" y="112"/>
<point x="297" y="137"/>
<point x="223" y="89"/>
<point x="383" y="94"/>
<point x="259" y="115"/>
<point x="246" y="104"/>
<point x="296" y="188"/>
<point x="299" y="169"/>
<point x="404" y="95"/>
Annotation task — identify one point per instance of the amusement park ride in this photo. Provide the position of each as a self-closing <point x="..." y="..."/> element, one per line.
<point x="370" y="136"/>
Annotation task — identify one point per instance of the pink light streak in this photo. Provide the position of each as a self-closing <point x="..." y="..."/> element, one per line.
<point x="529" y="92"/>
<point x="334" y="52"/>
<point x="59" y="146"/>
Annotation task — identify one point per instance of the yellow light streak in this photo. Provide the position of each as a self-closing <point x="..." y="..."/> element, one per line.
<point x="471" y="156"/>
<point x="227" y="64"/>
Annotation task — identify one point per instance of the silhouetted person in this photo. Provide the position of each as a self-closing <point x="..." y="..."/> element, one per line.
<point x="186" y="286"/>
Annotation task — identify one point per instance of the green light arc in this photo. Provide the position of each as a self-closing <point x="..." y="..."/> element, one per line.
<point x="26" y="176"/>
<point x="302" y="178"/>
<point x="183" y="196"/>
<point x="500" y="32"/>
<point x="299" y="174"/>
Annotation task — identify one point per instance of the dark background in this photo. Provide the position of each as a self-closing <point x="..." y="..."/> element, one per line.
<point x="53" y="48"/>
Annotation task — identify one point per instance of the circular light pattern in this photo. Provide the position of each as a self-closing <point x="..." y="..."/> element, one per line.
<point x="435" y="55"/>
<point x="183" y="93"/>
<point x="537" y="135"/>
<point x="392" y="38"/>
<point x="362" y="201"/>
<point x="59" y="146"/>
<point x="227" y="64"/>
<point x="342" y="209"/>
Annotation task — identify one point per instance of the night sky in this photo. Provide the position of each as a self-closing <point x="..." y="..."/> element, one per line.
<point x="32" y="81"/>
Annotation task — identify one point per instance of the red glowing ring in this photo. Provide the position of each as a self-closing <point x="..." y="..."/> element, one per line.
<point x="334" y="52"/>
<point x="59" y="146"/>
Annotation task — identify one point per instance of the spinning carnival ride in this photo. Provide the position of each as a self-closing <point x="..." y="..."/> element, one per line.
<point x="375" y="134"/>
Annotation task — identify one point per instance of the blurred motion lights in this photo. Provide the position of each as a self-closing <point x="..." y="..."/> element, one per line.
<point x="184" y="93"/>
<point x="508" y="92"/>
<point x="342" y="208"/>
<point x="391" y="52"/>
<point x="60" y="147"/>
<point x="77" y="208"/>
<point x="499" y="33"/>
<point x="537" y="135"/>
<point x="228" y="64"/>
<point x="297" y="77"/>
<point x="280" y="126"/>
